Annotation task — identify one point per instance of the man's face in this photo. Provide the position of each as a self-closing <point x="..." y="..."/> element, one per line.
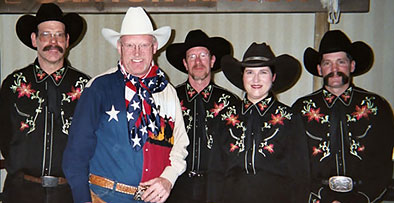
<point x="335" y="68"/>
<point x="136" y="53"/>
<point x="257" y="82"/>
<point x="51" y="41"/>
<point x="198" y="63"/>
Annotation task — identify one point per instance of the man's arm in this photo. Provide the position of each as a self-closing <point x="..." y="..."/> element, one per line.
<point x="81" y="145"/>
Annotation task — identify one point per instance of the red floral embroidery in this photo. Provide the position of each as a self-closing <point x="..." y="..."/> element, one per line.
<point x="329" y="99"/>
<point x="269" y="148"/>
<point x="345" y="97"/>
<point x="314" y="114"/>
<point x="75" y="93"/>
<point x="316" y="151"/>
<point x="262" y="106"/>
<point x="191" y="93"/>
<point x="217" y="108"/>
<point x="57" y="77"/>
<point x="247" y="105"/>
<point x="233" y="147"/>
<point x="25" y="90"/>
<point x="41" y="75"/>
<point x="361" y="112"/>
<point x="23" y="126"/>
<point x="182" y="107"/>
<point x="276" y="119"/>
<point x="205" y="94"/>
<point x="232" y="120"/>
<point x="361" y="149"/>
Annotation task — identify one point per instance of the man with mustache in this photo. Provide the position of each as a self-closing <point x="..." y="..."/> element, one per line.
<point x="349" y="129"/>
<point x="202" y="102"/>
<point x="36" y="108"/>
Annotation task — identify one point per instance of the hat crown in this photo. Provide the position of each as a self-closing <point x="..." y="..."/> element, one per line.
<point x="136" y="22"/>
<point x="334" y="41"/>
<point x="196" y="37"/>
<point x="49" y="11"/>
<point x="262" y="51"/>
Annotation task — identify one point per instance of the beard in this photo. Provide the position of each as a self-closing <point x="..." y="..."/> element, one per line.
<point x="345" y="78"/>
<point x="49" y="47"/>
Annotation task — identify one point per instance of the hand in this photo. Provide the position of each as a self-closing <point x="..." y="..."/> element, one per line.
<point x="158" y="190"/>
<point x="336" y="201"/>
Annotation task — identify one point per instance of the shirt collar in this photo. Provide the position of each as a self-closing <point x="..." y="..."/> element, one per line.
<point x="206" y="93"/>
<point x="262" y="106"/>
<point x="57" y="76"/>
<point x="346" y="97"/>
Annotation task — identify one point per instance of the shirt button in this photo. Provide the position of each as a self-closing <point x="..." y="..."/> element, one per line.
<point x="146" y="150"/>
<point x="146" y="170"/>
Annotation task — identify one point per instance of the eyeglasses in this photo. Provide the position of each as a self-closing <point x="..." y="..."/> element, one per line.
<point x="142" y="47"/>
<point x="202" y="56"/>
<point x="46" y="36"/>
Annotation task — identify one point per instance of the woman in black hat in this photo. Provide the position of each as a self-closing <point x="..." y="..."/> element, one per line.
<point x="255" y="161"/>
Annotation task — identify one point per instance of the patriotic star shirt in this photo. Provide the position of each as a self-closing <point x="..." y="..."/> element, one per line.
<point x="99" y="138"/>
<point x="36" y="111"/>
<point x="365" y="142"/>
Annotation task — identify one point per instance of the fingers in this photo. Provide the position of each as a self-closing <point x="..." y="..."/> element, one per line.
<point x="158" y="191"/>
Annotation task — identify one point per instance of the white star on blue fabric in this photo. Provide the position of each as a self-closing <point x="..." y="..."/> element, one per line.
<point x="130" y="116"/>
<point x="113" y="114"/>
<point x="152" y="126"/>
<point x="160" y="73"/>
<point x="151" y="83"/>
<point x="143" y="130"/>
<point x="154" y="111"/>
<point x="135" y="105"/>
<point x="133" y="81"/>
<point x="136" y="141"/>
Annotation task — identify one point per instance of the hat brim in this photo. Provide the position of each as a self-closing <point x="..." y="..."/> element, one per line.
<point x="362" y="54"/>
<point x="162" y="36"/>
<point x="75" y="27"/>
<point x="218" y="47"/>
<point x="287" y="70"/>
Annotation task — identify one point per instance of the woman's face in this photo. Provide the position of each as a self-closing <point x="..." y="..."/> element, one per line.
<point x="257" y="82"/>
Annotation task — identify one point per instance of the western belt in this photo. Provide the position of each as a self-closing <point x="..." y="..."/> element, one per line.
<point x="46" y="181"/>
<point x="119" y="187"/>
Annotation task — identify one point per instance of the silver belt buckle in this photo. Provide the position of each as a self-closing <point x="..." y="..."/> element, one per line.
<point x="139" y="192"/>
<point x="340" y="183"/>
<point x="49" y="181"/>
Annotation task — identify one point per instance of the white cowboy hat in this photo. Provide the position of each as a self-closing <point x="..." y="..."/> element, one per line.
<point x="137" y="22"/>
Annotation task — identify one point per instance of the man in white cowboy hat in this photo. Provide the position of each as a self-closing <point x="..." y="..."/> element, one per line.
<point x="36" y="108"/>
<point x="202" y="103"/>
<point x="128" y="142"/>
<point x="350" y="130"/>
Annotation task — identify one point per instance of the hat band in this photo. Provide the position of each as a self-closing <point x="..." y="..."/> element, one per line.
<point x="252" y="58"/>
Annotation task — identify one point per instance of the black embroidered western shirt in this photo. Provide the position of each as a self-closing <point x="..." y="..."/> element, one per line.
<point x="349" y="135"/>
<point x="200" y="112"/>
<point x="36" y="111"/>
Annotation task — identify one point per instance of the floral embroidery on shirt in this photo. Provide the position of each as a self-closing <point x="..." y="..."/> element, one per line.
<point x="276" y="119"/>
<point x="24" y="90"/>
<point x="313" y="113"/>
<point x="366" y="108"/>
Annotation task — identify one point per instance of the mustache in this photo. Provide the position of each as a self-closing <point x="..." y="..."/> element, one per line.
<point x="345" y="78"/>
<point x="49" y="47"/>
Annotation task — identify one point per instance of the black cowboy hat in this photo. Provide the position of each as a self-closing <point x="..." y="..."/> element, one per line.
<point x="334" y="41"/>
<point x="286" y="67"/>
<point x="27" y="24"/>
<point x="217" y="46"/>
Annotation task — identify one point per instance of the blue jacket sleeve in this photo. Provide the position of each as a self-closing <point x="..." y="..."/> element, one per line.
<point x="81" y="144"/>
